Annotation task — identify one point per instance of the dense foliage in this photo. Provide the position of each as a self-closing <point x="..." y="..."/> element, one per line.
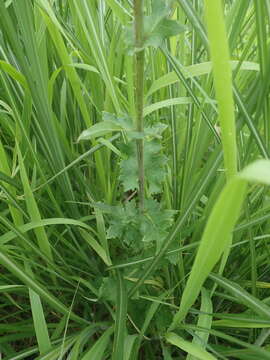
<point x="134" y="201"/>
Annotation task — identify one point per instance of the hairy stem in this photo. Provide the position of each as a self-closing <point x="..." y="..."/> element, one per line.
<point x="139" y="95"/>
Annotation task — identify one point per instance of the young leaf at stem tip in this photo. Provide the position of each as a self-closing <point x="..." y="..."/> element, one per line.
<point x="157" y="27"/>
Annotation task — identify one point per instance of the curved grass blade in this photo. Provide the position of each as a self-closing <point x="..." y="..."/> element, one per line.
<point x="242" y="295"/>
<point x="260" y="352"/>
<point x="10" y="235"/>
<point x="191" y="348"/>
<point x="219" y="226"/>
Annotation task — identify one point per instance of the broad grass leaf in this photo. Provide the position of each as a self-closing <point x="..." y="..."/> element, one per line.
<point x="257" y="172"/>
<point x="189" y="347"/>
<point x="197" y="70"/>
<point x="100" y="129"/>
<point x="218" y="230"/>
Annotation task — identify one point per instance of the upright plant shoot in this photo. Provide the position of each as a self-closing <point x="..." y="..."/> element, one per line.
<point x="139" y="83"/>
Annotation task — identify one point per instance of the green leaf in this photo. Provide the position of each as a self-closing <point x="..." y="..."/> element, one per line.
<point x="119" y="10"/>
<point x="222" y="74"/>
<point x="154" y="163"/>
<point x="97" y="350"/>
<point x="33" y="209"/>
<point x="130" y="341"/>
<point x="155" y="222"/>
<point x="99" y="129"/>
<point x="157" y="27"/>
<point x="40" y="325"/>
<point x="16" y="270"/>
<point x="95" y="246"/>
<point x="257" y="172"/>
<point x="189" y="347"/>
<point x="135" y="228"/>
<point x="164" y="29"/>
<point x="204" y="321"/>
<point x="219" y="226"/>
<point x="242" y="295"/>
<point x="195" y="70"/>
<point x="108" y="289"/>
<point x="120" y="320"/>
<point x="124" y="224"/>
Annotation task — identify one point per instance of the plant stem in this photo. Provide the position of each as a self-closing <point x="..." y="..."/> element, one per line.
<point x="139" y="94"/>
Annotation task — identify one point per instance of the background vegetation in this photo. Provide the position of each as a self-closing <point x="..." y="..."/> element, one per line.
<point x="93" y="264"/>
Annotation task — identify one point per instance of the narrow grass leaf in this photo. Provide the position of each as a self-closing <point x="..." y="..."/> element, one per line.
<point x="40" y="325"/>
<point x="196" y="70"/>
<point x="242" y="295"/>
<point x="120" y="319"/>
<point x="97" y="350"/>
<point x="10" y="235"/>
<point x="96" y="247"/>
<point x="33" y="210"/>
<point x="39" y="289"/>
<point x="204" y="320"/>
<point x="130" y="341"/>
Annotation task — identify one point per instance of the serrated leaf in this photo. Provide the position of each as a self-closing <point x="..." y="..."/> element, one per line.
<point x="157" y="27"/>
<point x="124" y="120"/>
<point x="154" y="162"/>
<point x="155" y="222"/>
<point x="155" y="131"/>
<point x="108" y="289"/>
<point x="124" y="224"/>
<point x="128" y="167"/>
<point x="165" y="29"/>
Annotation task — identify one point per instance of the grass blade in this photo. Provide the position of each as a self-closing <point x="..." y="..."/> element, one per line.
<point x="191" y="348"/>
<point x="120" y="319"/>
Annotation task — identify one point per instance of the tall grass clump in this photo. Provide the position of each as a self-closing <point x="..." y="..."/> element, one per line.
<point x="134" y="179"/>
